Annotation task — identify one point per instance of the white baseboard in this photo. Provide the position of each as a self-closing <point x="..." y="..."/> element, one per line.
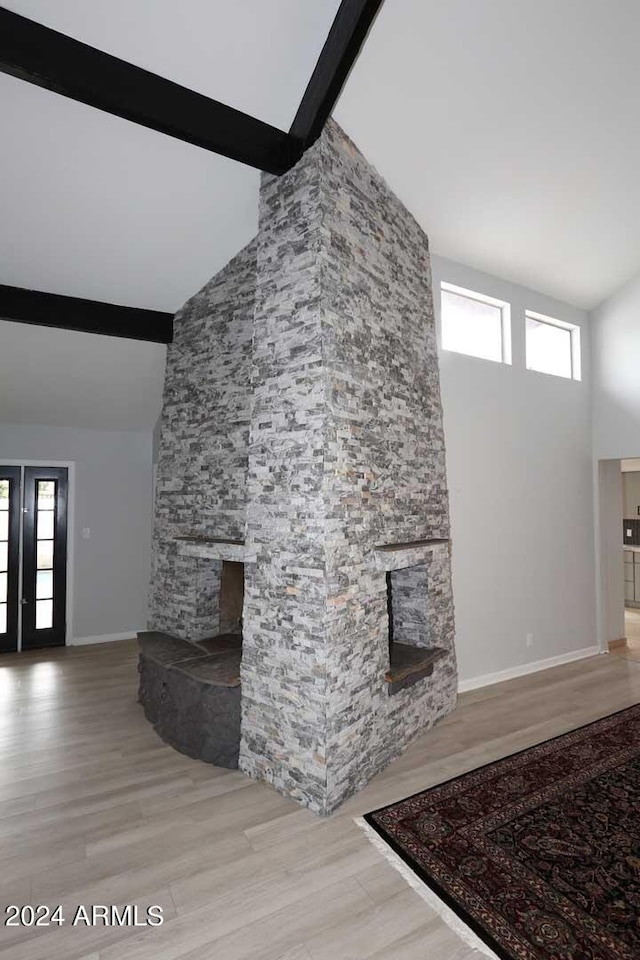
<point x="103" y="638"/>
<point x="526" y="668"/>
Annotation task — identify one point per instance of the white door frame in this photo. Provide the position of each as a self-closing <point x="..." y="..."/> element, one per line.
<point x="71" y="501"/>
<point x="609" y="514"/>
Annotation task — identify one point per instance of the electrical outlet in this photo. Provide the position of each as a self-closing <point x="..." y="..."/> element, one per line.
<point x="529" y="639"/>
<point x="629" y="533"/>
<point x="86" y="533"/>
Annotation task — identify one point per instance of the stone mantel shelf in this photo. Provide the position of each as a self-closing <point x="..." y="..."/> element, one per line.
<point x="397" y="556"/>
<point x="215" y="548"/>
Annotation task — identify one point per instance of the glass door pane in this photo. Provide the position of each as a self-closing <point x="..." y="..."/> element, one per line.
<point x="4" y="551"/>
<point x="44" y="563"/>
<point x="44" y="584"/>
<point x="46" y="494"/>
<point x="9" y="556"/>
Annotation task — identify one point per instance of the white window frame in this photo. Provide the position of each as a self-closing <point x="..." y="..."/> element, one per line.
<point x="505" y="320"/>
<point x="574" y="330"/>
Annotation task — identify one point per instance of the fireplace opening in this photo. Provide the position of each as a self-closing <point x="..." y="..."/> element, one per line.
<point x="412" y="652"/>
<point x="231" y="596"/>
<point x="228" y="640"/>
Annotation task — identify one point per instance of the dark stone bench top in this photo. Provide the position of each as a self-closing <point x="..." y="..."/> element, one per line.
<point x="217" y="669"/>
<point x="214" y="661"/>
<point x="165" y="649"/>
<point x="222" y="643"/>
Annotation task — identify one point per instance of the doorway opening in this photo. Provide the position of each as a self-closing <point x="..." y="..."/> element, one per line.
<point x="619" y="556"/>
<point x="33" y="556"/>
<point x="630" y="475"/>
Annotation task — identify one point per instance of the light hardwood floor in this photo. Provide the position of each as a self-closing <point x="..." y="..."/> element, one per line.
<point x="630" y="646"/>
<point x="95" y="809"/>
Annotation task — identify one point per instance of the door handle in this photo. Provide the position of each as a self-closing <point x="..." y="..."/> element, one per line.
<point x="23" y="602"/>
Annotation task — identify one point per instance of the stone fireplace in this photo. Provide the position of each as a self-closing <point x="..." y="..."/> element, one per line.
<point x="301" y="502"/>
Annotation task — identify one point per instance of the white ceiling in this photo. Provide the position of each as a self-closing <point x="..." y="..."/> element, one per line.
<point x="255" y="55"/>
<point x="68" y="379"/>
<point x="510" y="130"/>
<point x="508" y="127"/>
<point x="94" y="206"/>
<point x="98" y="207"/>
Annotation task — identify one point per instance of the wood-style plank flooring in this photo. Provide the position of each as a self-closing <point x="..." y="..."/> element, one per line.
<point x="629" y="648"/>
<point x="95" y="809"/>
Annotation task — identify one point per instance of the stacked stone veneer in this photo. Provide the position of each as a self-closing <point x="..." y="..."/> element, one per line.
<point x="412" y="623"/>
<point x="345" y="453"/>
<point x="204" y="447"/>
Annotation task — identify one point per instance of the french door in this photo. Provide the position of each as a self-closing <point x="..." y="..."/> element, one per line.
<point x="33" y="557"/>
<point x="10" y="484"/>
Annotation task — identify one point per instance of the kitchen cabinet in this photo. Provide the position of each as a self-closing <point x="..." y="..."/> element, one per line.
<point x="632" y="578"/>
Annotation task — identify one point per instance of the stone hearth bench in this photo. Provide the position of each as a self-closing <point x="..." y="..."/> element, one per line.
<point x="410" y="664"/>
<point x="190" y="692"/>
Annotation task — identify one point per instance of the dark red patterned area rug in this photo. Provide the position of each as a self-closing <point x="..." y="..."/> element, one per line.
<point x="537" y="856"/>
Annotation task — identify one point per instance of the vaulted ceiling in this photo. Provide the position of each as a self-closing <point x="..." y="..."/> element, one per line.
<point x="506" y="126"/>
<point x="96" y="206"/>
<point x="68" y="379"/>
<point x="509" y="128"/>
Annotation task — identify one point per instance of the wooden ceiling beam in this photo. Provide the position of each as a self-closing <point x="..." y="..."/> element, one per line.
<point x="49" y="59"/>
<point x="348" y="33"/>
<point x="86" y="316"/>
<point x="52" y="60"/>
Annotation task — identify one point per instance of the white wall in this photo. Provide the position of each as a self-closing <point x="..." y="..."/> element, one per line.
<point x="609" y="556"/>
<point x="113" y="484"/>
<point x="520" y="478"/>
<point x="615" y="329"/>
